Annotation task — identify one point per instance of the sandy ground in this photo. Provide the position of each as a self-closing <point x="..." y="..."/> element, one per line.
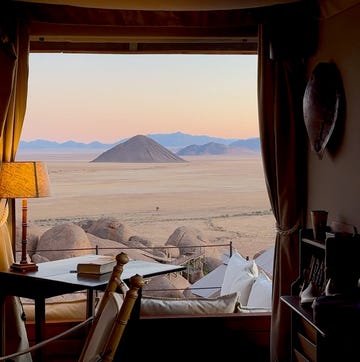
<point x="224" y="197"/>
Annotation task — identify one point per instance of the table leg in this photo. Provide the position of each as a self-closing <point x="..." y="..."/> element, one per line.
<point x="2" y="326"/>
<point x="39" y="324"/>
<point x="90" y="307"/>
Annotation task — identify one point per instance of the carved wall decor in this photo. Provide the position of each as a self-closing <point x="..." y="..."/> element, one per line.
<point x="321" y="105"/>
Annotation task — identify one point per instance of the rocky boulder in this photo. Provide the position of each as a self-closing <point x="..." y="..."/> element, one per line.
<point x="108" y="228"/>
<point x="189" y="240"/>
<point x="166" y="286"/>
<point x="111" y="247"/>
<point x="64" y="241"/>
<point x="33" y="234"/>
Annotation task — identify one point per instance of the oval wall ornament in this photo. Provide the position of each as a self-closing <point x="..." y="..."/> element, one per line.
<point x="321" y="102"/>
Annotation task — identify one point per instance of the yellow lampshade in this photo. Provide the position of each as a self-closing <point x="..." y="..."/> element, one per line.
<point x="24" y="180"/>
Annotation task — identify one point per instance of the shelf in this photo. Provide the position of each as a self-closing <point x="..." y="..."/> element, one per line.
<point x="308" y="347"/>
<point x="304" y="310"/>
<point x="334" y="336"/>
<point x="317" y="244"/>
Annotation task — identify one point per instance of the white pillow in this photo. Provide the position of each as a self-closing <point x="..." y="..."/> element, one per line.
<point x="261" y="293"/>
<point x="235" y="278"/>
<point x="168" y="306"/>
<point x="243" y="284"/>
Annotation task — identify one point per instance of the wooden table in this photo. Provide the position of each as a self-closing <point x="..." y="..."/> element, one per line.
<point x="59" y="277"/>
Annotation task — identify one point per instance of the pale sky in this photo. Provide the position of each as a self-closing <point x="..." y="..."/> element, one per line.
<point x="106" y="98"/>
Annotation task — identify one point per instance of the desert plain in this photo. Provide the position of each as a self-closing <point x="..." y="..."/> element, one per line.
<point x="224" y="197"/>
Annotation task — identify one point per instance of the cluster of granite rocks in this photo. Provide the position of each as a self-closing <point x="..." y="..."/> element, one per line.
<point x="109" y="236"/>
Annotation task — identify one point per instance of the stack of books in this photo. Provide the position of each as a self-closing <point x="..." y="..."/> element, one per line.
<point x="101" y="265"/>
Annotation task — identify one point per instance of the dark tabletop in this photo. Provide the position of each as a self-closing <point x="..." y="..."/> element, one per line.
<point x="60" y="277"/>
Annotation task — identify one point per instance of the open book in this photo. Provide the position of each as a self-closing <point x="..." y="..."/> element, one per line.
<point x="103" y="264"/>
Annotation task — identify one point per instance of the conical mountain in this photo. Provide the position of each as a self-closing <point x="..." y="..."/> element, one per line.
<point x="139" y="149"/>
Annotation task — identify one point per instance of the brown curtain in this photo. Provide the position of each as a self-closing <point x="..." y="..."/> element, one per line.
<point x="281" y="81"/>
<point x="14" y="54"/>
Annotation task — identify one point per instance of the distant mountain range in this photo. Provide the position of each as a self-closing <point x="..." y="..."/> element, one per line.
<point x="178" y="142"/>
<point x="213" y="148"/>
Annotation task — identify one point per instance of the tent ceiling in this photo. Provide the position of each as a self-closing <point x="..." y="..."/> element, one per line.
<point x="82" y="29"/>
<point x="171" y="5"/>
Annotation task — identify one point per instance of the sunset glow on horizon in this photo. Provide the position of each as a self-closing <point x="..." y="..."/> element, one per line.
<point x="106" y="98"/>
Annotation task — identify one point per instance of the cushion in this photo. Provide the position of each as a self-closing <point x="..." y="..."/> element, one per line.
<point x="246" y="309"/>
<point x="239" y="277"/>
<point x="96" y="342"/>
<point x="261" y="293"/>
<point x="243" y="284"/>
<point x="67" y="307"/>
<point x="165" y="306"/>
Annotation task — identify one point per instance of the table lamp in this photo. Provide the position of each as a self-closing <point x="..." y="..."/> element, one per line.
<point x="24" y="180"/>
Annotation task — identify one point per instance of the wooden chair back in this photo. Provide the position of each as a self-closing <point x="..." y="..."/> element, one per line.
<point x="105" y="335"/>
<point x="111" y="315"/>
<point x="114" y="283"/>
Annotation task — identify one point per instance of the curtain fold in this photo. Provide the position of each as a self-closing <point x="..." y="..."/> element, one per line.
<point x="14" y="55"/>
<point x="7" y="63"/>
<point x="281" y="82"/>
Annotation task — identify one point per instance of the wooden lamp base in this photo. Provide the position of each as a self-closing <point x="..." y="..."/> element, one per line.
<point x="23" y="267"/>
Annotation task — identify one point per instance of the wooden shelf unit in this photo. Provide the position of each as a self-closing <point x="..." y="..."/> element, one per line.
<point x="310" y="341"/>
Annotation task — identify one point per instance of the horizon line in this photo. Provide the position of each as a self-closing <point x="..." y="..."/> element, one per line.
<point x="147" y="135"/>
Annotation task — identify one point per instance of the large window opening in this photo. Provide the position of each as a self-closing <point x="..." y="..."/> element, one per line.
<point x="81" y="105"/>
